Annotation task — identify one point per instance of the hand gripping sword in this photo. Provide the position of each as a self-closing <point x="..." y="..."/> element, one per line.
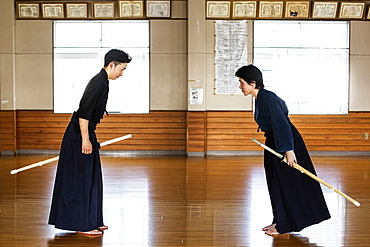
<point x="301" y="169"/>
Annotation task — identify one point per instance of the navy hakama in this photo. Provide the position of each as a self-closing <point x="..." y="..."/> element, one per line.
<point x="297" y="200"/>
<point x="78" y="189"/>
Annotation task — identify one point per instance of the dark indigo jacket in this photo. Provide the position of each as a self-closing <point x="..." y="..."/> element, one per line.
<point x="94" y="100"/>
<point x="271" y="114"/>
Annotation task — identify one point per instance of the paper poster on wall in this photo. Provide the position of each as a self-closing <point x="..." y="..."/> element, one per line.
<point x="231" y="54"/>
<point x="196" y="96"/>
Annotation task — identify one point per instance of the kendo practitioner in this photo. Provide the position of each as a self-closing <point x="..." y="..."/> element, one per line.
<point x="78" y="190"/>
<point x="297" y="200"/>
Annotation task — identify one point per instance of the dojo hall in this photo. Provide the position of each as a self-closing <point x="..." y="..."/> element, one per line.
<point x="188" y="172"/>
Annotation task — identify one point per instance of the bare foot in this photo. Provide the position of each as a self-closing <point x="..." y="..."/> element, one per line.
<point x="268" y="227"/>
<point x="272" y="230"/>
<point x="103" y="228"/>
<point x="91" y="234"/>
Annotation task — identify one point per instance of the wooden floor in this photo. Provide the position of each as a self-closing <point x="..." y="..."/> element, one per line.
<point x="180" y="201"/>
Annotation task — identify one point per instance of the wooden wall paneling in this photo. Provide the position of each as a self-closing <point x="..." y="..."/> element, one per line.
<point x="184" y="131"/>
<point x="157" y="131"/>
<point x="232" y="131"/>
<point x="196" y="131"/>
<point x="334" y="132"/>
<point x="8" y="131"/>
<point x="160" y="130"/>
<point x="40" y="129"/>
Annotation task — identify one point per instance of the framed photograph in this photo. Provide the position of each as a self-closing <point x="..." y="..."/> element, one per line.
<point x="52" y="10"/>
<point x="28" y="10"/>
<point x="244" y="9"/>
<point x="368" y="13"/>
<point x="158" y="9"/>
<point x="103" y="10"/>
<point x="352" y="10"/>
<point x="218" y="9"/>
<point x="76" y="10"/>
<point x="324" y="10"/>
<point x="130" y="9"/>
<point x="297" y="10"/>
<point x="271" y="9"/>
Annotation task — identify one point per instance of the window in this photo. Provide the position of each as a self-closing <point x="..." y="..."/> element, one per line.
<point x="79" y="49"/>
<point x="306" y="63"/>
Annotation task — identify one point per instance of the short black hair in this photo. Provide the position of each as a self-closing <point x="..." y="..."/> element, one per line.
<point x="116" y="56"/>
<point x="249" y="74"/>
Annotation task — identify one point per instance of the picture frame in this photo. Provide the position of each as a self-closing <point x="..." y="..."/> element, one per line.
<point x="52" y="10"/>
<point x="218" y="9"/>
<point x="297" y="9"/>
<point x="368" y="13"/>
<point x="324" y="10"/>
<point x="158" y="9"/>
<point x="103" y="10"/>
<point x="352" y="10"/>
<point x="271" y="9"/>
<point x="28" y="10"/>
<point x="244" y="9"/>
<point x="130" y="9"/>
<point x="76" y="10"/>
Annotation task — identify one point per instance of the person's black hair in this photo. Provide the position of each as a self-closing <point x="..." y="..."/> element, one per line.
<point x="116" y="56"/>
<point x="250" y="74"/>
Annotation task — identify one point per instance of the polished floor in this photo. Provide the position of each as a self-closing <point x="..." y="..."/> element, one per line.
<point x="183" y="201"/>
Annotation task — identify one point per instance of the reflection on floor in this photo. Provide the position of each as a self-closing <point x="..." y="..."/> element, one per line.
<point x="183" y="201"/>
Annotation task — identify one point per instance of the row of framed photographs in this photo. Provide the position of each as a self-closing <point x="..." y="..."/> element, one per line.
<point x="99" y="10"/>
<point x="286" y="10"/>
